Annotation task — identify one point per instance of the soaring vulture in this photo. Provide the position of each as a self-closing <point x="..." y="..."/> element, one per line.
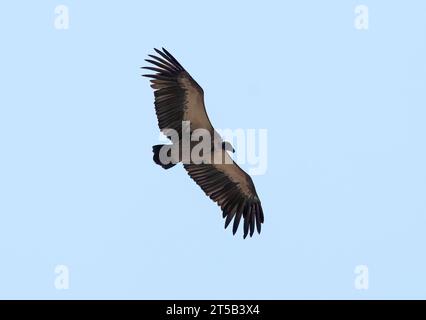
<point x="179" y="98"/>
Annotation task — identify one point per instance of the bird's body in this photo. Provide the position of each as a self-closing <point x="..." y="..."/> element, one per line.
<point x="179" y="100"/>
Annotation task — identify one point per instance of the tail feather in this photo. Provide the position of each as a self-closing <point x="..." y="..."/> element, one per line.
<point x="156" y="150"/>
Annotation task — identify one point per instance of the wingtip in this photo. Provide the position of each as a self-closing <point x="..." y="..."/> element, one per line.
<point x="246" y="230"/>
<point x="251" y="230"/>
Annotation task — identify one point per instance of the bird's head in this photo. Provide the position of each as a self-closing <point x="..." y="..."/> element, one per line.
<point x="227" y="146"/>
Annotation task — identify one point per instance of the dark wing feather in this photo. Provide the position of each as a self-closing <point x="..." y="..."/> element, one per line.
<point x="224" y="189"/>
<point x="176" y="93"/>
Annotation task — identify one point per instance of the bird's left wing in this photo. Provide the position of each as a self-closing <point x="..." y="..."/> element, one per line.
<point x="178" y="97"/>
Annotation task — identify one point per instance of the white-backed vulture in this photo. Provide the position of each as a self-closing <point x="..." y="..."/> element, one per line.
<point x="178" y="98"/>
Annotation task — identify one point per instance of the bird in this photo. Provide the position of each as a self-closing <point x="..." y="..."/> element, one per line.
<point x="179" y="98"/>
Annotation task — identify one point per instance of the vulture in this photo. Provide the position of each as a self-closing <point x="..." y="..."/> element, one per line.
<point x="178" y="98"/>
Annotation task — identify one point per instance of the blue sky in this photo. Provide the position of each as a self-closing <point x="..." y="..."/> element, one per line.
<point x="346" y="178"/>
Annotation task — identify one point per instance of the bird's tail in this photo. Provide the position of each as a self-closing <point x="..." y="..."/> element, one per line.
<point x="156" y="150"/>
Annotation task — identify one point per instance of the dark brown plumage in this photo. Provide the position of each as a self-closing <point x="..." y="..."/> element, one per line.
<point x="179" y="98"/>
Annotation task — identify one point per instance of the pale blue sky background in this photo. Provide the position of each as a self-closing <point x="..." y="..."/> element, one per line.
<point x="346" y="180"/>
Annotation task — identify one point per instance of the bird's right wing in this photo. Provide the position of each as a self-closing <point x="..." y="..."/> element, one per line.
<point x="233" y="190"/>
